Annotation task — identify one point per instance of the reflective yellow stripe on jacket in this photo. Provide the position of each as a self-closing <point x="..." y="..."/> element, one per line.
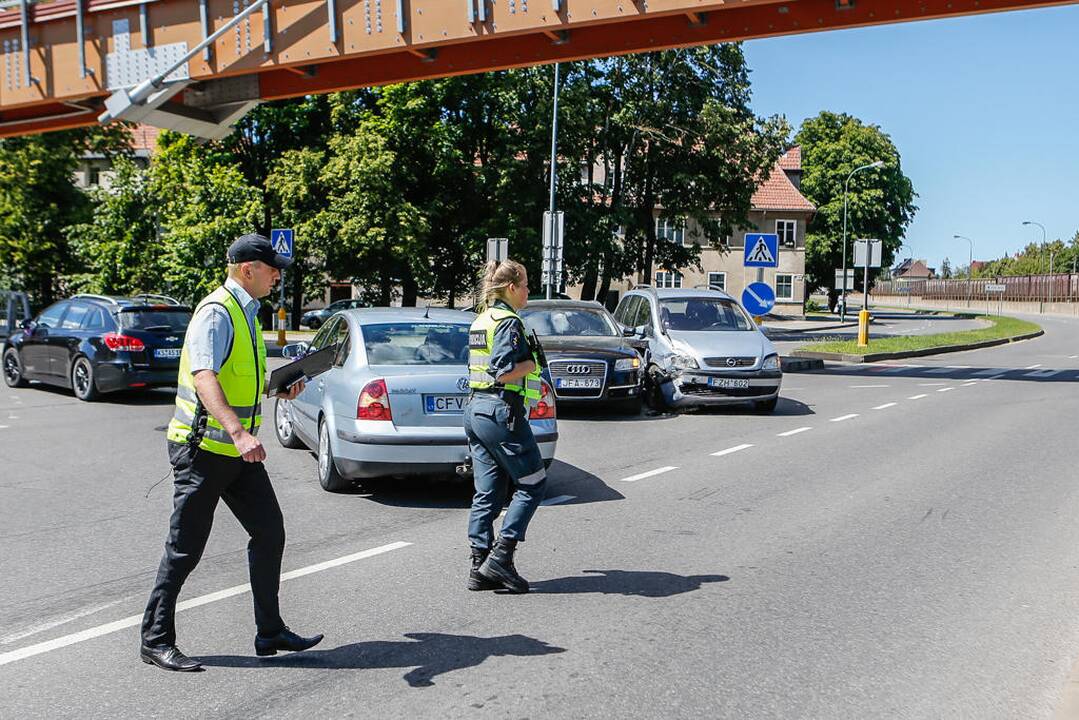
<point x="481" y="339"/>
<point x="241" y="377"/>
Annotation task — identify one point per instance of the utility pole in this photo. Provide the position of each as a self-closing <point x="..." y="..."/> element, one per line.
<point x="550" y="262"/>
<point x="843" y="295"/>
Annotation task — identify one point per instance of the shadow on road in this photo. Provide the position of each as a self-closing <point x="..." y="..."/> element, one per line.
<point x="787" y="407"/>
<point x="152" y="396"/>
<point x="633" y="583"/>
<point x="429" y="654"/>
<point x="884" y="371"/>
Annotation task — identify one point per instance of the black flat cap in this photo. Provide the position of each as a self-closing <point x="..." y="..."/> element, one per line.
<point x="253" y="246"/>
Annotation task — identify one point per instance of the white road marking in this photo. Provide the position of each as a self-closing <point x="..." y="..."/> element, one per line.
<point x="1072" y="357"/>
<point x="795" y="431"/>
<point x="885" y="406"/>
<point x="1047" y="373"/>
<point x="916" y="397"/>
<point x="947" y="389"/>
<point x="1031" y="367"/>
<point x="34" y="630"/>
<point x="859" y="387"/>
<point x="558" y="499"/>
<point x="4" y="427"/>
<point x="841" y="418"/>
<point x="730" y="450"/>
<point x="134" y="620"/>
<point x="942" y="370"/>
<point x="992" y="371"/>
<point x="931" y="384"/>
<point x="968" y="384"/>
<point x="650" y="473"/>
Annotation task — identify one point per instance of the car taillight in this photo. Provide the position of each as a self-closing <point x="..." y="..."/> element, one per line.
<point x="116" y="341"/>
<point x="544" y="409"/>
<point x="374" y="402"/>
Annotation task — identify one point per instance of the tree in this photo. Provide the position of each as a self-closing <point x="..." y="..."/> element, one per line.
<point x="946" y="269"/>
<point x="880" y="202"/>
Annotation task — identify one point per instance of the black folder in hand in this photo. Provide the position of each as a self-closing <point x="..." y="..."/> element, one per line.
<point x="304" y="369"/>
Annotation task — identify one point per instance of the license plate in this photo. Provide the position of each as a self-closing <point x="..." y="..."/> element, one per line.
<point x="167" y="353"/>
<point x="728" y="383"/>
<point x="578" y="383"/>
<point x="444" y="404"/>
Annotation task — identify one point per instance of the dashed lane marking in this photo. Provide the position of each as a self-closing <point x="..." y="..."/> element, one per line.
<point x="1031" y="367"/>
<point x="134" y="620"/>
<point x="885" y="406"/>
<point x="730" y="450"/>
<point x="860" y="387"/>
<point x="21" y="635"/>
<point x="795" y="431"/>
<point x="945" y="369"/>
<point x="841" y="418"/>
<point x="968" y="384"/>
<point x="931" y="384"/>
<point x="947" y="389"/>
<point x="1047" y="373"/>
<point x="916" y="397"/>
<point x="558" y="499"/>
<point x="1072" y="357"/>
<point x="650" y="473"/>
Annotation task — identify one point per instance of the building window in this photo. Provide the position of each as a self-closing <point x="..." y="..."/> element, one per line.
<point x="786" y="230"/>
<point x="93" y="178"/>
<point x="717" y="280"/>
<point x="668" y="280"/>
<point x="784" y="287"/>
<point x="671" y="229"/>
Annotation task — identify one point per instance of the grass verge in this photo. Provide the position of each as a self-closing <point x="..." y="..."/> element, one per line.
<point x="1000" y="328"/>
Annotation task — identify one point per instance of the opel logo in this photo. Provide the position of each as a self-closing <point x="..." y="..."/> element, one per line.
<point x="731" y="362"/>
<point x="578" y="369"/>
<point x="462" y="384"/>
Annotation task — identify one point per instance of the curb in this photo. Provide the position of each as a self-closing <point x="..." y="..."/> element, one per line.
<point x="875" y="357"/>
<point x="789" y="364"/>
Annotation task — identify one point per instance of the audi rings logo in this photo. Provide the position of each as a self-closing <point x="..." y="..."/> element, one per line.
<point x="578" y="370"/>
<point x="462" y="384"/>
<point x="731" y="362"/>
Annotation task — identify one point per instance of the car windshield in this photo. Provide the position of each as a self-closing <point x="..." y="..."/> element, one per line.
<point x="569" y="321"/>
<point x="164" y="318"/>
<point x="703" y="313"/>
<point x="416" y="343"/>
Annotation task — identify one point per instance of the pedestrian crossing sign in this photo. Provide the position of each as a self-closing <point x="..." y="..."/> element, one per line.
<point x="281" y="239"/>
<point x="762" y="250"/>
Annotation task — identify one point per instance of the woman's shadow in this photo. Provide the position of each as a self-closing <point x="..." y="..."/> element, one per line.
<point x="429" y="654"/>
<point x="635" y="583"/>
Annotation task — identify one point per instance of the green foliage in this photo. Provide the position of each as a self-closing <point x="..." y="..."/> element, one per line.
<point x="880" y="201"/>
<point x="1035" y="259"/>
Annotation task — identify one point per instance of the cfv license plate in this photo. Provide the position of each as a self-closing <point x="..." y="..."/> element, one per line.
<point x="444" y="404"/>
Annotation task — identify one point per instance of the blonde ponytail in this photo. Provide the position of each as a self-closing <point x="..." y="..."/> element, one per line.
<point x="496" y="277"/>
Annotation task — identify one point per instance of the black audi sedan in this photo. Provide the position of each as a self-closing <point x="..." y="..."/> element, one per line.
<point x="590" y="360"/>
<point x="98" y="344"/>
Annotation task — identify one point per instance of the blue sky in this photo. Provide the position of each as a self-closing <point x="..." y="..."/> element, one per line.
<point x="984" y="111"/>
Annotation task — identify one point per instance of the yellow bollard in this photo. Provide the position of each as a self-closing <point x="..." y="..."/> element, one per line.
<point x="281" y="326"/>
<point x="863" y="328"/>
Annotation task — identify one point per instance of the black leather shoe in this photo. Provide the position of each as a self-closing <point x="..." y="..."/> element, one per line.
<point x="475" y="580"/>
<point x="284" y="640"/>
<point x="168" y="657"/>
<point x="499" y="567"/>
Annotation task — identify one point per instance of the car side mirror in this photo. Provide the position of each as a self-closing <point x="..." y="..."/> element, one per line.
<point x="295" y="350"/>
<point x="628" y="331"/>
<point x="27" y="324"/>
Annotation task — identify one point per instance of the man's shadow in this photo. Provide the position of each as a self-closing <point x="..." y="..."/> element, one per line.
<point x="429" y="654"/>
<point x="635" y="583"/>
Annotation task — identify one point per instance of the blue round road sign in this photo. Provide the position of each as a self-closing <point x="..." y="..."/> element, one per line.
<point x="758" y="298"/>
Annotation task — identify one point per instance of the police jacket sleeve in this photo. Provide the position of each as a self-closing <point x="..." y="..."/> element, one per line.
<point x="510" y="347"/>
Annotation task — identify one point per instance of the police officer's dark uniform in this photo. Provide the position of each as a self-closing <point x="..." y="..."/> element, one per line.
<point x="505" y="456"/>
<point x="207" y="466"/>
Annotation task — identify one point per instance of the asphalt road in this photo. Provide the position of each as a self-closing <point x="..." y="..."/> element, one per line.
<point x="896" y="541"/>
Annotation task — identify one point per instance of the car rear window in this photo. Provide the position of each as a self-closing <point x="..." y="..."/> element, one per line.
<point x="416" y="343"/>
<point x="165" y="319"/>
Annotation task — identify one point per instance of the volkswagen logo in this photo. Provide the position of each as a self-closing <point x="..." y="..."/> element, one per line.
<point x="578" y="369"/>
<point x="731" y="362"/>
<point x="462" y="384"/>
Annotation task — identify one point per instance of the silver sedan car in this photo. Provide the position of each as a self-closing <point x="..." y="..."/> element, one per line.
<point x="393" y="402"/>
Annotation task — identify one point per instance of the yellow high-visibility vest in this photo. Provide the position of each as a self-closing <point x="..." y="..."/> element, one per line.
<point x="481" y="339"/>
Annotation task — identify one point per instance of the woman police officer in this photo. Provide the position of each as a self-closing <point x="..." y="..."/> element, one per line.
<point x="504" y="374"/>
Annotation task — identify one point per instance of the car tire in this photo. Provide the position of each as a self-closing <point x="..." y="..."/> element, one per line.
<point x="284" y="427"/>
<point x="328" y="476"/>
<point x="13" y="369"/>
<point x="82" y="380"/>
<point x="766" y="406"/>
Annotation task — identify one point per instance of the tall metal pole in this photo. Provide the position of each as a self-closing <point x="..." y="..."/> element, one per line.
<point x="843" y="307"/>
<point x="550" y="262"/>
<point x="1031" y="222"/>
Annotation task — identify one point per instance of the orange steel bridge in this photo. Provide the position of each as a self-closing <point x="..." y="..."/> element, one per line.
<point x="199" y="65"/>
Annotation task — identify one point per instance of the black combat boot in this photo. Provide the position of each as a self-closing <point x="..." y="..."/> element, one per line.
<point x="499" y="567"/>
<point x="475" y="580"/>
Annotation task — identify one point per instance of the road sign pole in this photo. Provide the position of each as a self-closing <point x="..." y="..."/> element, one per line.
<point x="281" y="315"/>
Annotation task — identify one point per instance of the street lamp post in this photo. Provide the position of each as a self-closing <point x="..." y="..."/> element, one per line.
<point x="550" y="264"/>
<point x="1031" y="222"/>
<point x="970" y="266"/>
<point x="843" y="295"/>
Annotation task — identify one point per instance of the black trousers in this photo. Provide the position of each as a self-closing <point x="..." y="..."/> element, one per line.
<point x="246" y="489"/>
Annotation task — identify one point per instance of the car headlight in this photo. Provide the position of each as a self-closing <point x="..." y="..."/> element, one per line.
<point x="770" y="363"/>
<point x="682" y="362"/>
<point x="627" y="364"/>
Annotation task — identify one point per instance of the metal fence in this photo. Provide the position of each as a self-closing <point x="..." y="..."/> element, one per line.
<point x="1062" y="287"/>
